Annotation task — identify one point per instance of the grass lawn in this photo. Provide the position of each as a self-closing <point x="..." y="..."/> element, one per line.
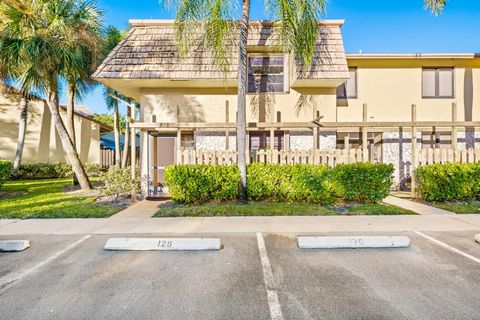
<point x="277" y="209"/>
<point x="47" y="199"/>
<point x="459" y="207"/>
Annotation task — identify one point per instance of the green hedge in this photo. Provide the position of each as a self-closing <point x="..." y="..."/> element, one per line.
<point x="6" y="168"/>
<point x="199" y="183"/>
<point x="449" y="182"/>
<point x="291" y="183"/>
<point x="363" y="182"/>
<point x="54" y="170"/>
<point x="44" y="171"/>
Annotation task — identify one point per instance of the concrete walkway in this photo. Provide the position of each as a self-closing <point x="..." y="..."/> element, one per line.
<point x="141" y="209"/>
<point x="291" y="224"/>
<point x="419" y="208"/>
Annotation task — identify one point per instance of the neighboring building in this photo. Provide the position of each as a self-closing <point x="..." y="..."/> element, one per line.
<point x="188" y="103"/>
<point x="42" y="143"/>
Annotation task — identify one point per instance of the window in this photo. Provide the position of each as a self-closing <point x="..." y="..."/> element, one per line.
<point x="437" y="82"/>
<point x="261" y="140"/>
<point x="266" y="74"/>
<point x="349" y="88"/>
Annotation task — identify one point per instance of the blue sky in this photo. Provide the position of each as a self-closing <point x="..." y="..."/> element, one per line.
<point x="370" y="26"/>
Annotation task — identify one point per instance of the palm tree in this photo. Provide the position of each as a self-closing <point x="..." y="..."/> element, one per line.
<point x="296" y="24"/>
<point x="6" y="75"/>
<point x="86" y="18"/>
<point x="40" y="41"/>
<point x="111" y="37"/>
<point x="435" y="6"/>
<point x="112" y="103"/>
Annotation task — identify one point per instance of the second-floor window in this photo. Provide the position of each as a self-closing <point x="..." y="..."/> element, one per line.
<point x="349" y="88"/>
<point x="437" y="82"/>
<point x="266" y="74"/>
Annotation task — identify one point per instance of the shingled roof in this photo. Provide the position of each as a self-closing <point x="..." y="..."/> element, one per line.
<point x="149" y="51"/>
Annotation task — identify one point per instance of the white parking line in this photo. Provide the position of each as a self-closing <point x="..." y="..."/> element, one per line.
<point x="8" y="279"/>
<point x="446" y="246"/>
<point x="275" y="310"/>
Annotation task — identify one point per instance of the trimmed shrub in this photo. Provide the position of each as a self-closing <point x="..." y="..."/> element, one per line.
<point x="200" y="183"/>
<point x="6" y="168"/>
<point x="364" y="181"/>
<point x="290" y="183"/>
<point x="449" y="182"/>
<point x="118" y="182"/>
<point x="93" y="170"/>
<point x="44" y="171"/>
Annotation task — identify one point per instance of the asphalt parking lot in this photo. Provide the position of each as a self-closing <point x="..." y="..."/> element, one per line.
<point x="425" y="281"/>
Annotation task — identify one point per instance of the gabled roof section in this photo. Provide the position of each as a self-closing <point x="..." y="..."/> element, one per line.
<point x="149" y="51"/>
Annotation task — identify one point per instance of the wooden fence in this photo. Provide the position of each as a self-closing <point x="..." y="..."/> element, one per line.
<point x="107" y="158"/>
<point x="444" y="155"/>
<point x="330" y="157"/>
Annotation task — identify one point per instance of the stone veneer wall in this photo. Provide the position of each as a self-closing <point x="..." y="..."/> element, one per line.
<point x="299" y="140"/>
<point x="397" y="149"/>
<point x="303" y="140"/>
<point x="214" y="140"/>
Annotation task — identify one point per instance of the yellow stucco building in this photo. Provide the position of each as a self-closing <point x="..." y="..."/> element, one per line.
<point x="42" y="143"/>
<point x="187" y="103"/>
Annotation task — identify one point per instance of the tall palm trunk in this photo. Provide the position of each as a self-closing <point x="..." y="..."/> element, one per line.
<point x="22" y="129"/>
<point x="126" y="139"/>
<point x="71" y="118"/>
<point x="116" y="132"/>
<point x="242" y="101"/>
<point x="71" y="111"/>
<point x="72" y="155"/>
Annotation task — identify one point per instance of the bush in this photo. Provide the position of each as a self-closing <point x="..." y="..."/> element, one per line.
<point x="118" y="182"/>
<point x="200" y="183"/>
<point x="93" y="170"/>
<point x="449" y="182"/>
<point x="364" y="181"/>
<point x="6" y="168"/>
<point x="44" y="171"/>
<point x="291" y="183"/>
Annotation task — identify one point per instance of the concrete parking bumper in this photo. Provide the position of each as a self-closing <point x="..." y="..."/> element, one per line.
<point x="14" y="245"/>
<point x="163" y="244"/>
<point x="353" y="242"/>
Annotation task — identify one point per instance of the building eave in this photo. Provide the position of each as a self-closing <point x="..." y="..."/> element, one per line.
<point x="372" y="56"/>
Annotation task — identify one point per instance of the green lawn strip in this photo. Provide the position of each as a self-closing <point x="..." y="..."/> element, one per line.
<point x="277" y="209"/>
<point x="459" y="207"/>
<point x="47" y="199"/>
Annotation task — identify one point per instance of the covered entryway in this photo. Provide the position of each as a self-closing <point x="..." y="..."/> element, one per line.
<point x="161" y="153"/>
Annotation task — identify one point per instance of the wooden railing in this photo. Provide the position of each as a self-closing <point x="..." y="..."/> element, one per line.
<point x="444" y="155"/>
<point x="329" y="157"/>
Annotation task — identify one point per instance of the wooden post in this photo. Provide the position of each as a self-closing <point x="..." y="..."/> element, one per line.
<point x="413" y="166"/>
<point x="155" y="163"/>
<point x="178" y="146"/>
<point x="454" y="128"/>
<point x="133" y="152"/>
<point x="286" y="140"/>
<point x="315" y="128"/>
<point x="227" y="120"/>
<point x="365" y="134"/>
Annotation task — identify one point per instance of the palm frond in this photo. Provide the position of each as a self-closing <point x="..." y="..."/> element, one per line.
<point x="435" y="6"/>
<point x="296" y="26"/>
